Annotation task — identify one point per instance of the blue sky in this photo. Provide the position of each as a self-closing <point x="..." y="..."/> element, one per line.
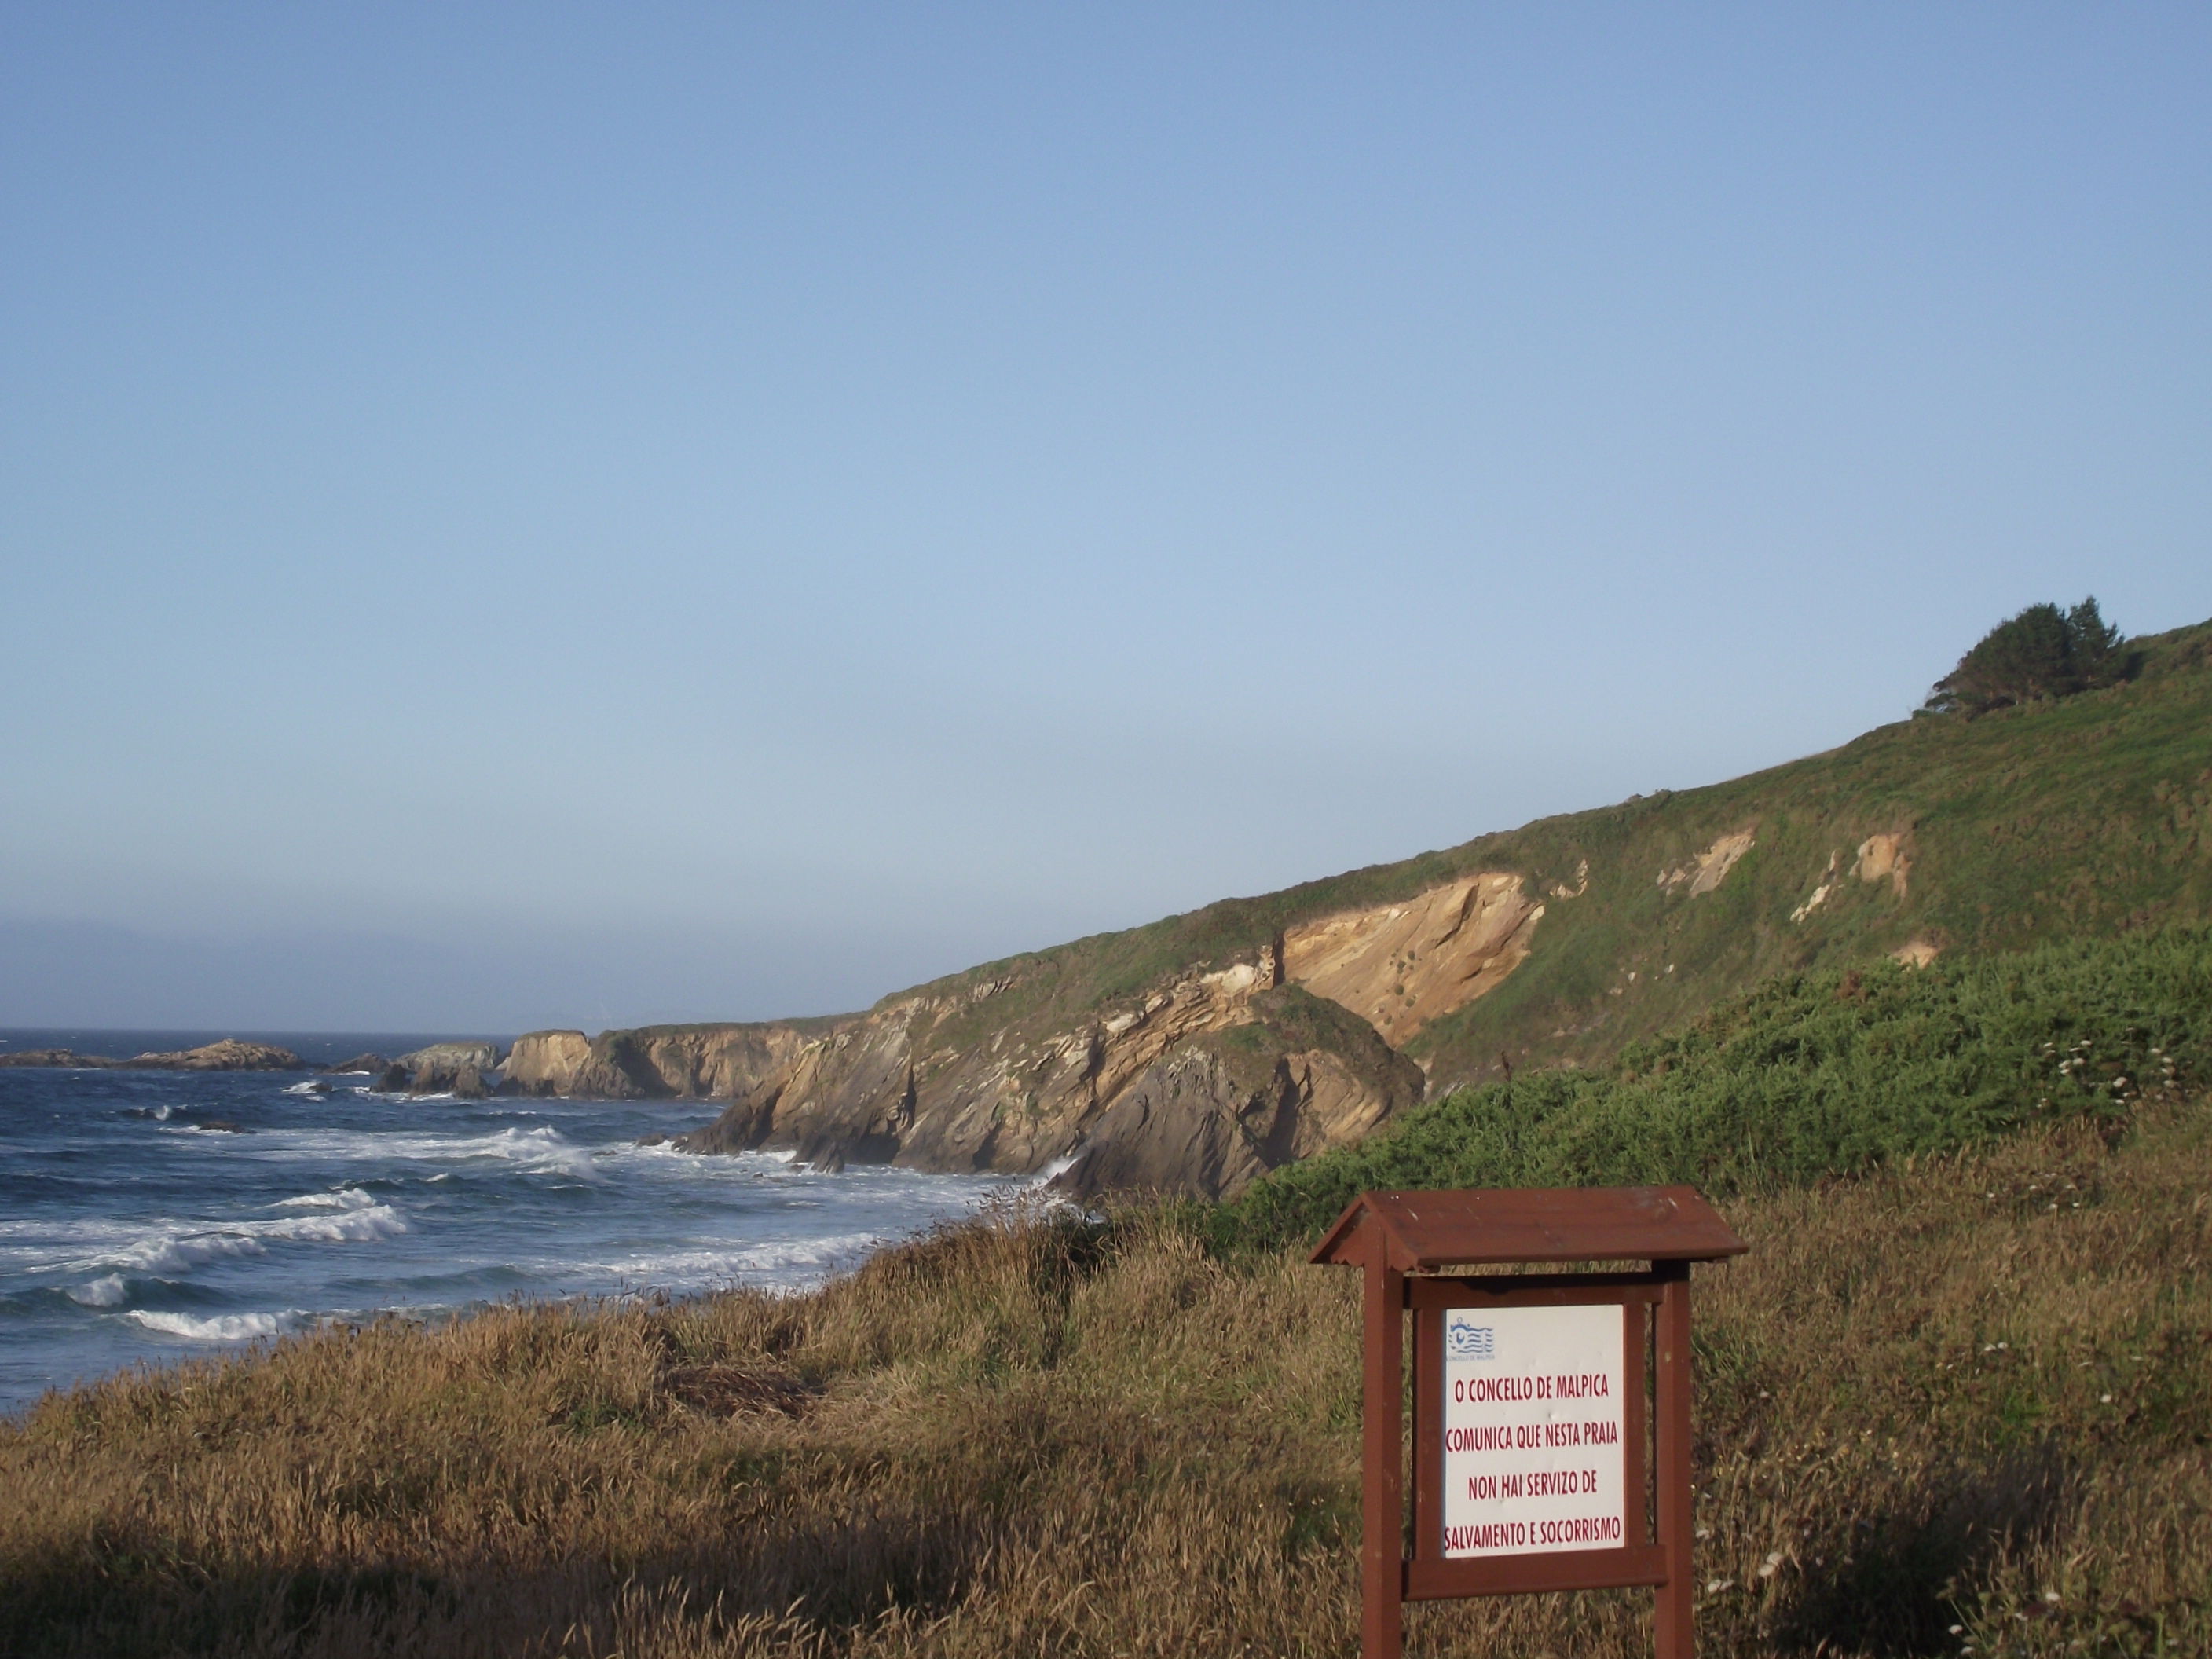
<point x="517" y="516"/>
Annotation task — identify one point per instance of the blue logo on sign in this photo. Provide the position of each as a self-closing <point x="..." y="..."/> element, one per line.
<point x="1464" y="1339"/>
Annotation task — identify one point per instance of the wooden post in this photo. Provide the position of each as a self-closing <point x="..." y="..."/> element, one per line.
<point x="1671" y="1618"/>
<point x="1383" y="1532"/>
<point x="1428" y="1434"/>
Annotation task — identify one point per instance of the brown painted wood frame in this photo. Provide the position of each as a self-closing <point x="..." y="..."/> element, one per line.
<point x="1660" y="1559"/>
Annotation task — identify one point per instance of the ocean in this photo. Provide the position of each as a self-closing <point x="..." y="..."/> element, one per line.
<point x="146" y="1216"/>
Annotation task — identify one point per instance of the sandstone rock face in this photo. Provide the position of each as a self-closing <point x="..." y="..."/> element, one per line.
<point x="1400" y="966"/>
<point x="693" y="1062"/>
<point x="546" y="1062"/>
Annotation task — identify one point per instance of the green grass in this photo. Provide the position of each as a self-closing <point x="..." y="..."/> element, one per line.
<point x="1811" y="1075"/>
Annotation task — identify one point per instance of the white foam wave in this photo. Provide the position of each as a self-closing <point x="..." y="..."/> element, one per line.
<point x="108" y="1292"/>
<point x="782" y="1262"/>
<point x="223" y="1327"/>
<point x="345" y="1198"/>
<point x="177" y="1251"/>
<point x="540" y="1150"/>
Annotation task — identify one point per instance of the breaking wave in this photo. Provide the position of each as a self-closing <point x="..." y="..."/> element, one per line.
<point x="179" y="1250"/>
<point x="219" y="1327"/>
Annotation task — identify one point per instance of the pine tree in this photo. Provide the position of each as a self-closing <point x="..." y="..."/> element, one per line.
<point x="2042" y="652"/>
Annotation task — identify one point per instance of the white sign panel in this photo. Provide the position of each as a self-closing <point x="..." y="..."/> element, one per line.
<point x="1535" y="1458"/>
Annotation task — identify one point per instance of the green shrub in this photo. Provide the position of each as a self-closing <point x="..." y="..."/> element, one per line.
<point x="1810" y="1075"/>
<point x="2042" y="652"/>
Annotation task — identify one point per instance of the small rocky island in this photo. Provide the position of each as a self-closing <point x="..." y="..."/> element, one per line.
<point x="230" y="1054"/>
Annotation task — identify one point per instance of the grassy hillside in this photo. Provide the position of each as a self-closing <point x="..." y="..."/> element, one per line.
<point x="1974" y="1392"/>
<point x="2091" y="815"/>
<point x="1811" y="1075"/>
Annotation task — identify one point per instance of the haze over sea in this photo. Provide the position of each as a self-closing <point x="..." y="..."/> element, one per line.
<point x="132" y="1230"/>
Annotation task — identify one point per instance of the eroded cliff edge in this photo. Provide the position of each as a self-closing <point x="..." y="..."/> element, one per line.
<point x="1195" y="1083"/>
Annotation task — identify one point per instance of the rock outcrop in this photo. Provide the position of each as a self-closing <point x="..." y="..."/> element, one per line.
<point x="1885" y="857"/>
<point x="360" y="1064"/>
<point x="1710" y="868"/>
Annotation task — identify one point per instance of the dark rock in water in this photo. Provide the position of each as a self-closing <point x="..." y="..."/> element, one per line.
<point x="61" y="1057"/>
<point x="652" y="1141"/>
<point x="830" y="1162"/>
<point x="469" y="1084"/>
<point x="371" y="1065"/>
<point x="438" y="1068"/>
<point x="220" y="1125"/>
<point x="392" y="1080"/>
<point x="446" y="1060"/>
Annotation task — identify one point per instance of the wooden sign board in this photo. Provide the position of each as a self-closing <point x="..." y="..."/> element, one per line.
<point x="1536" y="1463"/>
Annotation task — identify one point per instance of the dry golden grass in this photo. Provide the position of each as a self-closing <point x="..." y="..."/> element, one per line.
<point x="1928" y="1398"/>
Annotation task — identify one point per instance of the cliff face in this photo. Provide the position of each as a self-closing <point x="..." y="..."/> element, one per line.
<point x="1301" y="1076"/>
<point x="900" y="1083"/>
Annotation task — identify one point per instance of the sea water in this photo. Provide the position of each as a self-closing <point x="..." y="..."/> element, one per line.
<point x="152" y="1215"/>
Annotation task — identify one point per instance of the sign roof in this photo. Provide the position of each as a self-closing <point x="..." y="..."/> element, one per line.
<point x="1503" y="1225"/>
